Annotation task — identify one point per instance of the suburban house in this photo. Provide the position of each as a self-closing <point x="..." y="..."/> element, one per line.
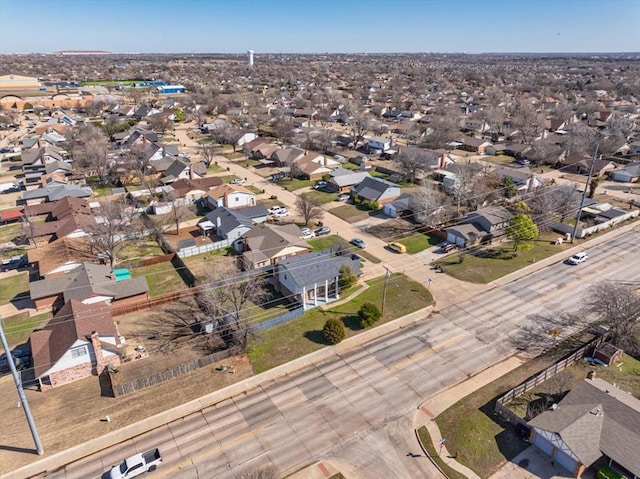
<point x="524" y="179"/>
<point x="59" y="257"/>
<point x="376" y="189"/>
<point x="183" y="170"/>
<point x="312" y="279"/>
<point x="475" y="145"/>
<point x="230" y="196"/>
<point x="581" y="164"/>
<point x="628" y="174"/>
<point x="261" y="149"/>
<point x="482" y="226"/>
<point x="313" y="166"/>
<point x="342" y="180"/>
<point x="595" y="424"/>
<point x="87" y="283"/>
<point x="55" y="192"/>
<point x="267" y="245"/>
<point x="287" y="156"/>
<point x="378" y="143"/>
<point x="79" y="341"/>
<point x="191" y="190"/>
<point x="230" y="224"/>
<point x="401" y="206"/>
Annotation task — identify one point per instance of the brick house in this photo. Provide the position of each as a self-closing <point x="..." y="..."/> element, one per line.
<point x="80" y="340"/>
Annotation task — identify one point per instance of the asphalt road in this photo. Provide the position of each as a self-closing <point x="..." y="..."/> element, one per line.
<point x="356" y="409"/>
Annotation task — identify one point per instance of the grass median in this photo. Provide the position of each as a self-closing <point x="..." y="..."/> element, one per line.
<point x="427" y="445"/>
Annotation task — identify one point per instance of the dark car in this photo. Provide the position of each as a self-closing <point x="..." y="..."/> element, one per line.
<point x="325" y="230"/>
<point x="21" y="359"/>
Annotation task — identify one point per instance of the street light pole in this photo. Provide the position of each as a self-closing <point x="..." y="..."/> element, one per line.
<point x="584" y="193"/>
<point x="21" y="395"/>
<point x="384" y="289"/>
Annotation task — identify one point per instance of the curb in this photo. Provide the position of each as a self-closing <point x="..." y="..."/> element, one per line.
<point x="62" y="458"/>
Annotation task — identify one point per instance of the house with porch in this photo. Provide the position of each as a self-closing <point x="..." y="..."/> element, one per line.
<point x="342" y="180"/>
<point x="79" y="341"/>
<point x="313" y="166"/>
<point x="377" y="190"/>
<point x="312" y="279"/>
<point x="482" y="226"/>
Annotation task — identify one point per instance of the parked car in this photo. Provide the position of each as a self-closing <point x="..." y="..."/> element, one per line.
<point x="281" y="214"/>
<point x="276" y="209"/>
<point x="325" y="230"/>
<point x="320" y="185"/>
<point x="358" y="242"/>
<point x="578" y="258"/>
<point x="307" y="235"/>
<point x="237" y="181"/>
<point x="343" y="197"/>
<point x="21" y="359"/>
<point x="135" y="465"/>
<point x="397" y="247"/>
<point x="447" y="247"/>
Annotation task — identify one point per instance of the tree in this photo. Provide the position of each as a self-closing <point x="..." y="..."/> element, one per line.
<point x="593" y="185"/>
<point x="309" y="208"/>
<point x="347" y="277"/>
<point x="430" y="206"/>
<point x="208" y="153"/>
<point x="617" y="305"/>
<point x="110" y="229"/>
<point x="521" y="229"/>
<point x="411" y="160"/>
<point x="90" y="152"/>
<point x="369" y="314"/>
<point x="333" y="331"/>
<point x="510" y="188"/>
<point x="225" y="294"/>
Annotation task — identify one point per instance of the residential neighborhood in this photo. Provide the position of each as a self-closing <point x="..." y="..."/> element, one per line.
<point x="192" y="223"/>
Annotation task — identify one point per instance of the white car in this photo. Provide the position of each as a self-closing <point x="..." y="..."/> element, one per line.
<point x="281" y="214"/>
<point x="276" y="209"/>
<point x="358" y="242"/>
<point x="578" y="258"/>
<point x="237" y="181"/>
<point x="308" y="235"/>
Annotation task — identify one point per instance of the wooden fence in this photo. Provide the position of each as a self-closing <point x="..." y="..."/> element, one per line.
<point x="119" y="310"/>
<point x="195" y="250"/>
<point x="174" y="372"/>
<point x="548" y="373"/>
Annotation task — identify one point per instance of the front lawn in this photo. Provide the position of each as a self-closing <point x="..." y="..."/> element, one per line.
<point x="328" y="242"/>
<point x="418" y="242"/>
<point x="18" y="328"/>
<point x="10" y="232"/>
<point x="493" y="262"/>
<point x="427" y="444"/>
<point x="322" y="196"/>
<point x="294" y="184"/>
<point x="162" y="278"/>
<point x="302" y="336"/>
<point x="350" y="213"/>
<point x="13" y="286"/>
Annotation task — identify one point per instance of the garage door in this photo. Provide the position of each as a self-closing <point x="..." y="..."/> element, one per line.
<point x="566" y="461"/>
<point x="542" y="444"/>
<point x="452" y="238"/>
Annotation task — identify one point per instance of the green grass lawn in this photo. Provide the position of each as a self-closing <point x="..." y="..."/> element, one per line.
<point x="10" y="231"/>
<point x="234" y="156"/>
<point x="162" y="278"/>
<point x="427" y="444"/>
<point x="418" y="242"/>
<point x="101" y="190"/>
<point x="12" y="286"/>
<point x="302" y="336"/>
<point x="323" y="243"/>
<point x="368" y="256"/>
<point x="350" y="213"/>
<point x="322" y="196"/>
<point x="138" y="249"/>
<point x="294" y="184"/>
<point x="499" y="260"/>
<point x="253" y="189"/>
<point x="18" y="328"/>
<point x="216" y="168"/>
<point x="499" y="159"/>
<point x="485" y="440"/>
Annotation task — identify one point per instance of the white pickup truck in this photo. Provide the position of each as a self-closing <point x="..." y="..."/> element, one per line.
<point x="135" y="465"/>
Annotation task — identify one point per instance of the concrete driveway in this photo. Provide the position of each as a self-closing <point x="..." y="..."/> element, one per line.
<point x="534" y="464"/>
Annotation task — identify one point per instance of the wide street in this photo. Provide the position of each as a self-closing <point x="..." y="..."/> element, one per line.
<point x="355" y="409"/>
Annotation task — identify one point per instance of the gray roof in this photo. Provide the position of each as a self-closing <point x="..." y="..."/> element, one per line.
<point x="270" y="240"/>
<point x="87" y="280"/>
<point x="372" y="188"/>
<point x="343" y="177"/>
<point x="57" y="192"/>
<point x="495" y="215"/>
<point x="599" y="409"/>
<point x="307" y="269"/>
<point x="402" y="202"/>
<point x="226" y="220"/>
<point x="467" y="231"/>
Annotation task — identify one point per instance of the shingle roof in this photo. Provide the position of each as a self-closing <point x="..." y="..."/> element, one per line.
<point x="75" y="320"/>
<point x="372" y="188"/>
<point x="310" y="268"/>
<point x="272" y="239"/>
<point x="53" y="193"/>
<point x="576" y="420"/>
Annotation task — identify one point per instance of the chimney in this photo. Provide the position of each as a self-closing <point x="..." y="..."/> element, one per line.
<point x="97" y="350"/>
<point x="218" y="222"/>
<point x="591" y="374"/>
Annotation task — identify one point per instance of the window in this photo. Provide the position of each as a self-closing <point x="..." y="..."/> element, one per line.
<point x="79" y="352"/>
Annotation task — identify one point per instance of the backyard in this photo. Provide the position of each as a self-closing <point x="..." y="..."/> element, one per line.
<point x="351" y="213"/>
<point x="15" y="285"/>
<point x="302" y="336"/>
<point x="162" y="278"/>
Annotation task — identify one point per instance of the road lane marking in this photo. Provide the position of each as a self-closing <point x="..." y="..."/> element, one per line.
<point x="209" y="452"/>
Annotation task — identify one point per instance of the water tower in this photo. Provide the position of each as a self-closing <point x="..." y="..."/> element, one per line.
<point x="250" y="57"/>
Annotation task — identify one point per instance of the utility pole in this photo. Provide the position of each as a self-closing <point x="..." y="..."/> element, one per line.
<point x="23" y="398"/>
<point x="384" y="289"/>
<point x="584" y="193"/>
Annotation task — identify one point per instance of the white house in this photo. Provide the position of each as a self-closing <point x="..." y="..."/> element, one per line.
<point x="230" y="196"/>
<point x="378" y="143"/>
<point x="246" y="138"/>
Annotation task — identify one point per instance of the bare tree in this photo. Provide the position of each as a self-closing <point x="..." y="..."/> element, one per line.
<point x="618" y="306"/>
<point x="208" y="153"/>
<point x="176" y="214"/>
<point x="410" y="161"/>
<point x="430" y="206"/>
<point x="309" y="208"/>
<point x="109" y="232"/>
<point x="90" y="151"/>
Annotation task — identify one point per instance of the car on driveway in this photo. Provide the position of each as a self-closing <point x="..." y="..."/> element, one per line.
<point x="276" y="209"/>
<point x="447" y="247"/>
<point x="358" y="242"/>
<point x="281" y="214"/>
<point x="343" y="197"/>
<point x="307" y="235"/>
<point x="325" y="230"/>
<point x="578" y="258"/>
<point x="320" y="185"/>
<point x="397" y="247"/>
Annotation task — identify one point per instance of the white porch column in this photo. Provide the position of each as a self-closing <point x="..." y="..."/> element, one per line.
<point x="304" y="298"/>
<point x="326" y="290"/>
<point x="315" y="294"/>
<point x="337" y="280"/>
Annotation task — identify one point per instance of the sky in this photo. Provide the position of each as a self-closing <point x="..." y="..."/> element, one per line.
<point x="316" y="26"/>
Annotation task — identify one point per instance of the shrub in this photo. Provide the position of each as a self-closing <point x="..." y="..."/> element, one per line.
<point x="347" y="277"/>
<point x="607" y="473"/>
<point x="369" y="314"/>
<point x="333" y="331"/>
